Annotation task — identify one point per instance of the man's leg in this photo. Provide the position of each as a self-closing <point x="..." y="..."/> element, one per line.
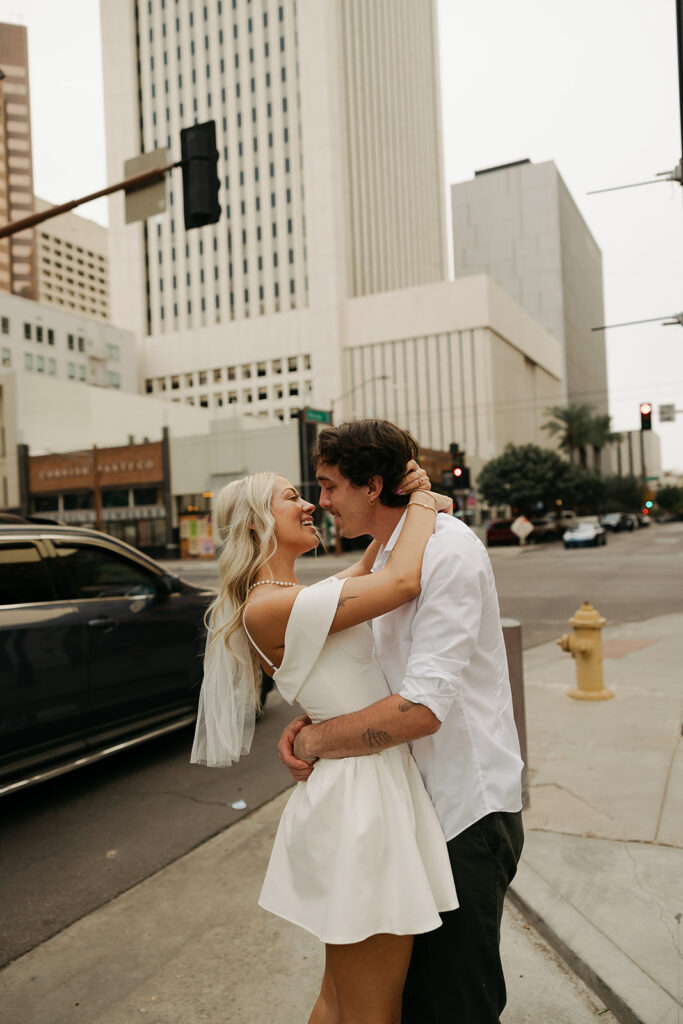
<point x="455" y="971"/>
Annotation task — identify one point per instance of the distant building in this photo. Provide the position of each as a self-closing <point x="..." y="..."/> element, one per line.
<point x="519" y="223"/>
<point x="17" y="253"/>
<point x="328" y="125"/>
<point x="73" y="263"/>
<point x="48" y="342"/>
<point x="639" y="453"/>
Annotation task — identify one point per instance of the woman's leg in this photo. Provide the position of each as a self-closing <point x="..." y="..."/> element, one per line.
<point x="326" y="1010"/>
<point x="366" y="979"/>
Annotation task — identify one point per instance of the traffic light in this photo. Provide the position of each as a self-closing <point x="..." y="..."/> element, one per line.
<point x="461" y="478"/>
<point x="646" y="416"/>
<point x="199" y="158"/>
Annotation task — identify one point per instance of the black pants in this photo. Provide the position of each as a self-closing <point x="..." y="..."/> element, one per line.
<point x="455" y="974"/>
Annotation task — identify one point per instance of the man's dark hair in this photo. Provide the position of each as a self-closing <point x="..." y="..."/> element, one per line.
<point x="361" y="449"/>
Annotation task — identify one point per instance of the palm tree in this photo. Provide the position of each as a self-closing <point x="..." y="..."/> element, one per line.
<point x="573" y="424"/>
<point x="600" y="435"/>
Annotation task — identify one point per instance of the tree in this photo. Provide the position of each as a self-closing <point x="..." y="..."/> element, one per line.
<point x="573" y="424"/>
<point x="523" y="476"/>
<point x="623" y="494"/>
<point x="600" y="434"/>
<point x="670" y="498"/>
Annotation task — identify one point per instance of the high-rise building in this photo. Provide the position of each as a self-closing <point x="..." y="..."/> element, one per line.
<point x="17" y="253"/>
<point x="328" y="126"/>
<point x="519" y="223"/>
<point x="73" y="263"/>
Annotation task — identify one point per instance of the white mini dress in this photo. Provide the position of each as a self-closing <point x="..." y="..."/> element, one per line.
<point x="359" y="849"/>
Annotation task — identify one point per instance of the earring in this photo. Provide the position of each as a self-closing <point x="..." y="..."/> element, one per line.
<point x="371" y="501"/>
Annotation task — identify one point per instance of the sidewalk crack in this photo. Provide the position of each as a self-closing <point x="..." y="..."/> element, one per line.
<point x="556" y="785"/>
<point x="666" y="787"/>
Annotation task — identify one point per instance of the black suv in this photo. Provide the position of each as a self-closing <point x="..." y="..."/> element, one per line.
<point x="100" y="649"/>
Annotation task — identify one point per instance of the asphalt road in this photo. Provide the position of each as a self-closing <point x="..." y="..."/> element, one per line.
<point x="71" y="845"/>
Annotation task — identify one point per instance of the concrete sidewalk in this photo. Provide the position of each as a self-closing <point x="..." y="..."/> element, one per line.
<point x="601" y="878"/>
<point x="602" y="871"/>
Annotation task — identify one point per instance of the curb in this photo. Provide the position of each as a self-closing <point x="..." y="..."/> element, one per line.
<point x="624" y="988"/>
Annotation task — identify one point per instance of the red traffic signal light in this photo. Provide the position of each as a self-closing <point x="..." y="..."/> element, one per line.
<point x="646" y="416"/>
<point x="457" y="471"/>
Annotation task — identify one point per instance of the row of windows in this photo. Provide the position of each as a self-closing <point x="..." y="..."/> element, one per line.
<point x="73" y="371"/>
<point x="57" y="242"/>
<point x="244" y="372"/>
<point x="218" y="401"/>
<point x="38" y="333"/>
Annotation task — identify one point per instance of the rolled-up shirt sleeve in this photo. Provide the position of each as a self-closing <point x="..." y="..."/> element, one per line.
<point x="445" y="628"/>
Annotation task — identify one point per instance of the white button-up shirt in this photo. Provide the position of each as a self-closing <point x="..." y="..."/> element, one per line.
<point x="446" y="650"/>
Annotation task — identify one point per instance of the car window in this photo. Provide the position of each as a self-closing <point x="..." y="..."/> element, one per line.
<point x="95" y="572"/>
<point x="24" y="577"/>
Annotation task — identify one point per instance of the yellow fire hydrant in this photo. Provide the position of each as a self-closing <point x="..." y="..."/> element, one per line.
<point x="585" y="646"/>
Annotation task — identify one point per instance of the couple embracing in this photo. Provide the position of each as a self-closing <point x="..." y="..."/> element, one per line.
<point x="398" y="843"/>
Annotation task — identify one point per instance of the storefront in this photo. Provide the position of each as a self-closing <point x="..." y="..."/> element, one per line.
<point x="124" y="491"/>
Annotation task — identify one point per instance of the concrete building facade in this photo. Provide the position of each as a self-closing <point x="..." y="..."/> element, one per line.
<point x="73" y="263"/>
<point x="44" y="341"/>
<point x="519" y="224"/>
<point x="331" y="181"/>
<point x="18" y="273"/>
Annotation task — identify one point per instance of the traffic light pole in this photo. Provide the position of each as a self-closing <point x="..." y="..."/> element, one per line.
<point x="129" y="185"/>
<point x="679" y="29"/>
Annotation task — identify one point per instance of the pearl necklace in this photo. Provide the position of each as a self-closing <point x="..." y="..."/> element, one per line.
<point x="278" y="583"/>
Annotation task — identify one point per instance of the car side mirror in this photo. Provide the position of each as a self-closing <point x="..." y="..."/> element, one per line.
<point x="169" y="585"/>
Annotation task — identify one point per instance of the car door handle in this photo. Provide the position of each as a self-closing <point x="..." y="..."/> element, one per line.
<point x="103" y="623"/>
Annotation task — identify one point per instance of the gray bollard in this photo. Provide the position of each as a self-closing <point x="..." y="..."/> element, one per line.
<point x="512" y="634"/>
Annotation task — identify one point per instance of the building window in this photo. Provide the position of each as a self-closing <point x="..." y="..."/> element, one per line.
<point x="113" y="379"/>
<point x="149" y="387"/>
<point x="293" y="390"/>
<point x="218" y="400"/>
<point x="39" y="333"/>
<point x="70" y="341"/>
<point x="293" y="364"/>
<point x="232" y="397"/>
<point x="71" y="370"/>
<point x="203" y="377"/>
<point x="81" y="372"/>
<point x="81" y="345"/>
<point x="5" y="325"/>
<point x="175" y="383"/>
<point x="189" y="380"/>
<point x="40" y="364"/>
<point x="277" y="366"/>
<point x="232" y="373"/>
<point x="262" y="394"/>
<point x="217" y="376"/>
<point x="28" y="361"/>
<point x="246" y="371"/>
<point x="6" y="357"/>
<point x="113" y="353"/>
<point x="248" y="397"/>
<point x="204" y="401"/>
<point x="50" y="336"/>
<point x="52" y="367"/>
<point x="27" y="332"/>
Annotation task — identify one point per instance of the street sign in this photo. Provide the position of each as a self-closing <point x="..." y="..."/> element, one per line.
<point x="318" y="416"/>
<point x="149" y="200"/>
<point x="667" y="414"/>
<point x="521" y="527"/>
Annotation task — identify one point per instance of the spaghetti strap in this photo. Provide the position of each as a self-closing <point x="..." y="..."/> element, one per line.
<point x="256" y="646"/>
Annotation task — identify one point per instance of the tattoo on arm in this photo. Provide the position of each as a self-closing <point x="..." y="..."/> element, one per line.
<point x="376" y="738"/>
<point x="406" y="705"/>
<point x="343" y="600"/>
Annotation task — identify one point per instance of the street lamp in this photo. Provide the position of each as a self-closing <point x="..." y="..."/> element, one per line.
<point x="367" y="380"/>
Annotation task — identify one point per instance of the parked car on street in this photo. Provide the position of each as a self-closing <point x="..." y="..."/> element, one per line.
<point x="618" y="521"/>
<point x="587" y="533"/>
<point x="643" y="519"/>
<point x="100" y="649"/>
<point x="498" y="532"/>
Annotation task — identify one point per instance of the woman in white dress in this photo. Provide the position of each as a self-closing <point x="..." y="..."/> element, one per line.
<point x="359" y="859"/>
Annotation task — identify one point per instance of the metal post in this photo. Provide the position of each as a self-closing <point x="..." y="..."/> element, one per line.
<point x="96" y="489"/>
<point x="167" y="490"/>
<point x="643" y="471"/>
<point x="512" y="634"/>
<point x="679" y="28"/>
<point x="24" y="480"/>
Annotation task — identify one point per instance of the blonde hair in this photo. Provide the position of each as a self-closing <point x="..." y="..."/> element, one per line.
<point x="246" y="529"/>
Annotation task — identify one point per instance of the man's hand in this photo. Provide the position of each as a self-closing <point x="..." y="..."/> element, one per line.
<point x="300" y="770"/>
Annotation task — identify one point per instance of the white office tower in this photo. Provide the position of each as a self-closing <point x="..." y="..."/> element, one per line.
<point x="519" y="223"/>
<point x="328" y="124"/>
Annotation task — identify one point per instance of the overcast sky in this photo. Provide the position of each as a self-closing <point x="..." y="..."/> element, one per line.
<point x="590" y="84"/>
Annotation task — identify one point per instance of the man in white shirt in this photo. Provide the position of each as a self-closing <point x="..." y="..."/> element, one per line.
<point x="444" y="658"/>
